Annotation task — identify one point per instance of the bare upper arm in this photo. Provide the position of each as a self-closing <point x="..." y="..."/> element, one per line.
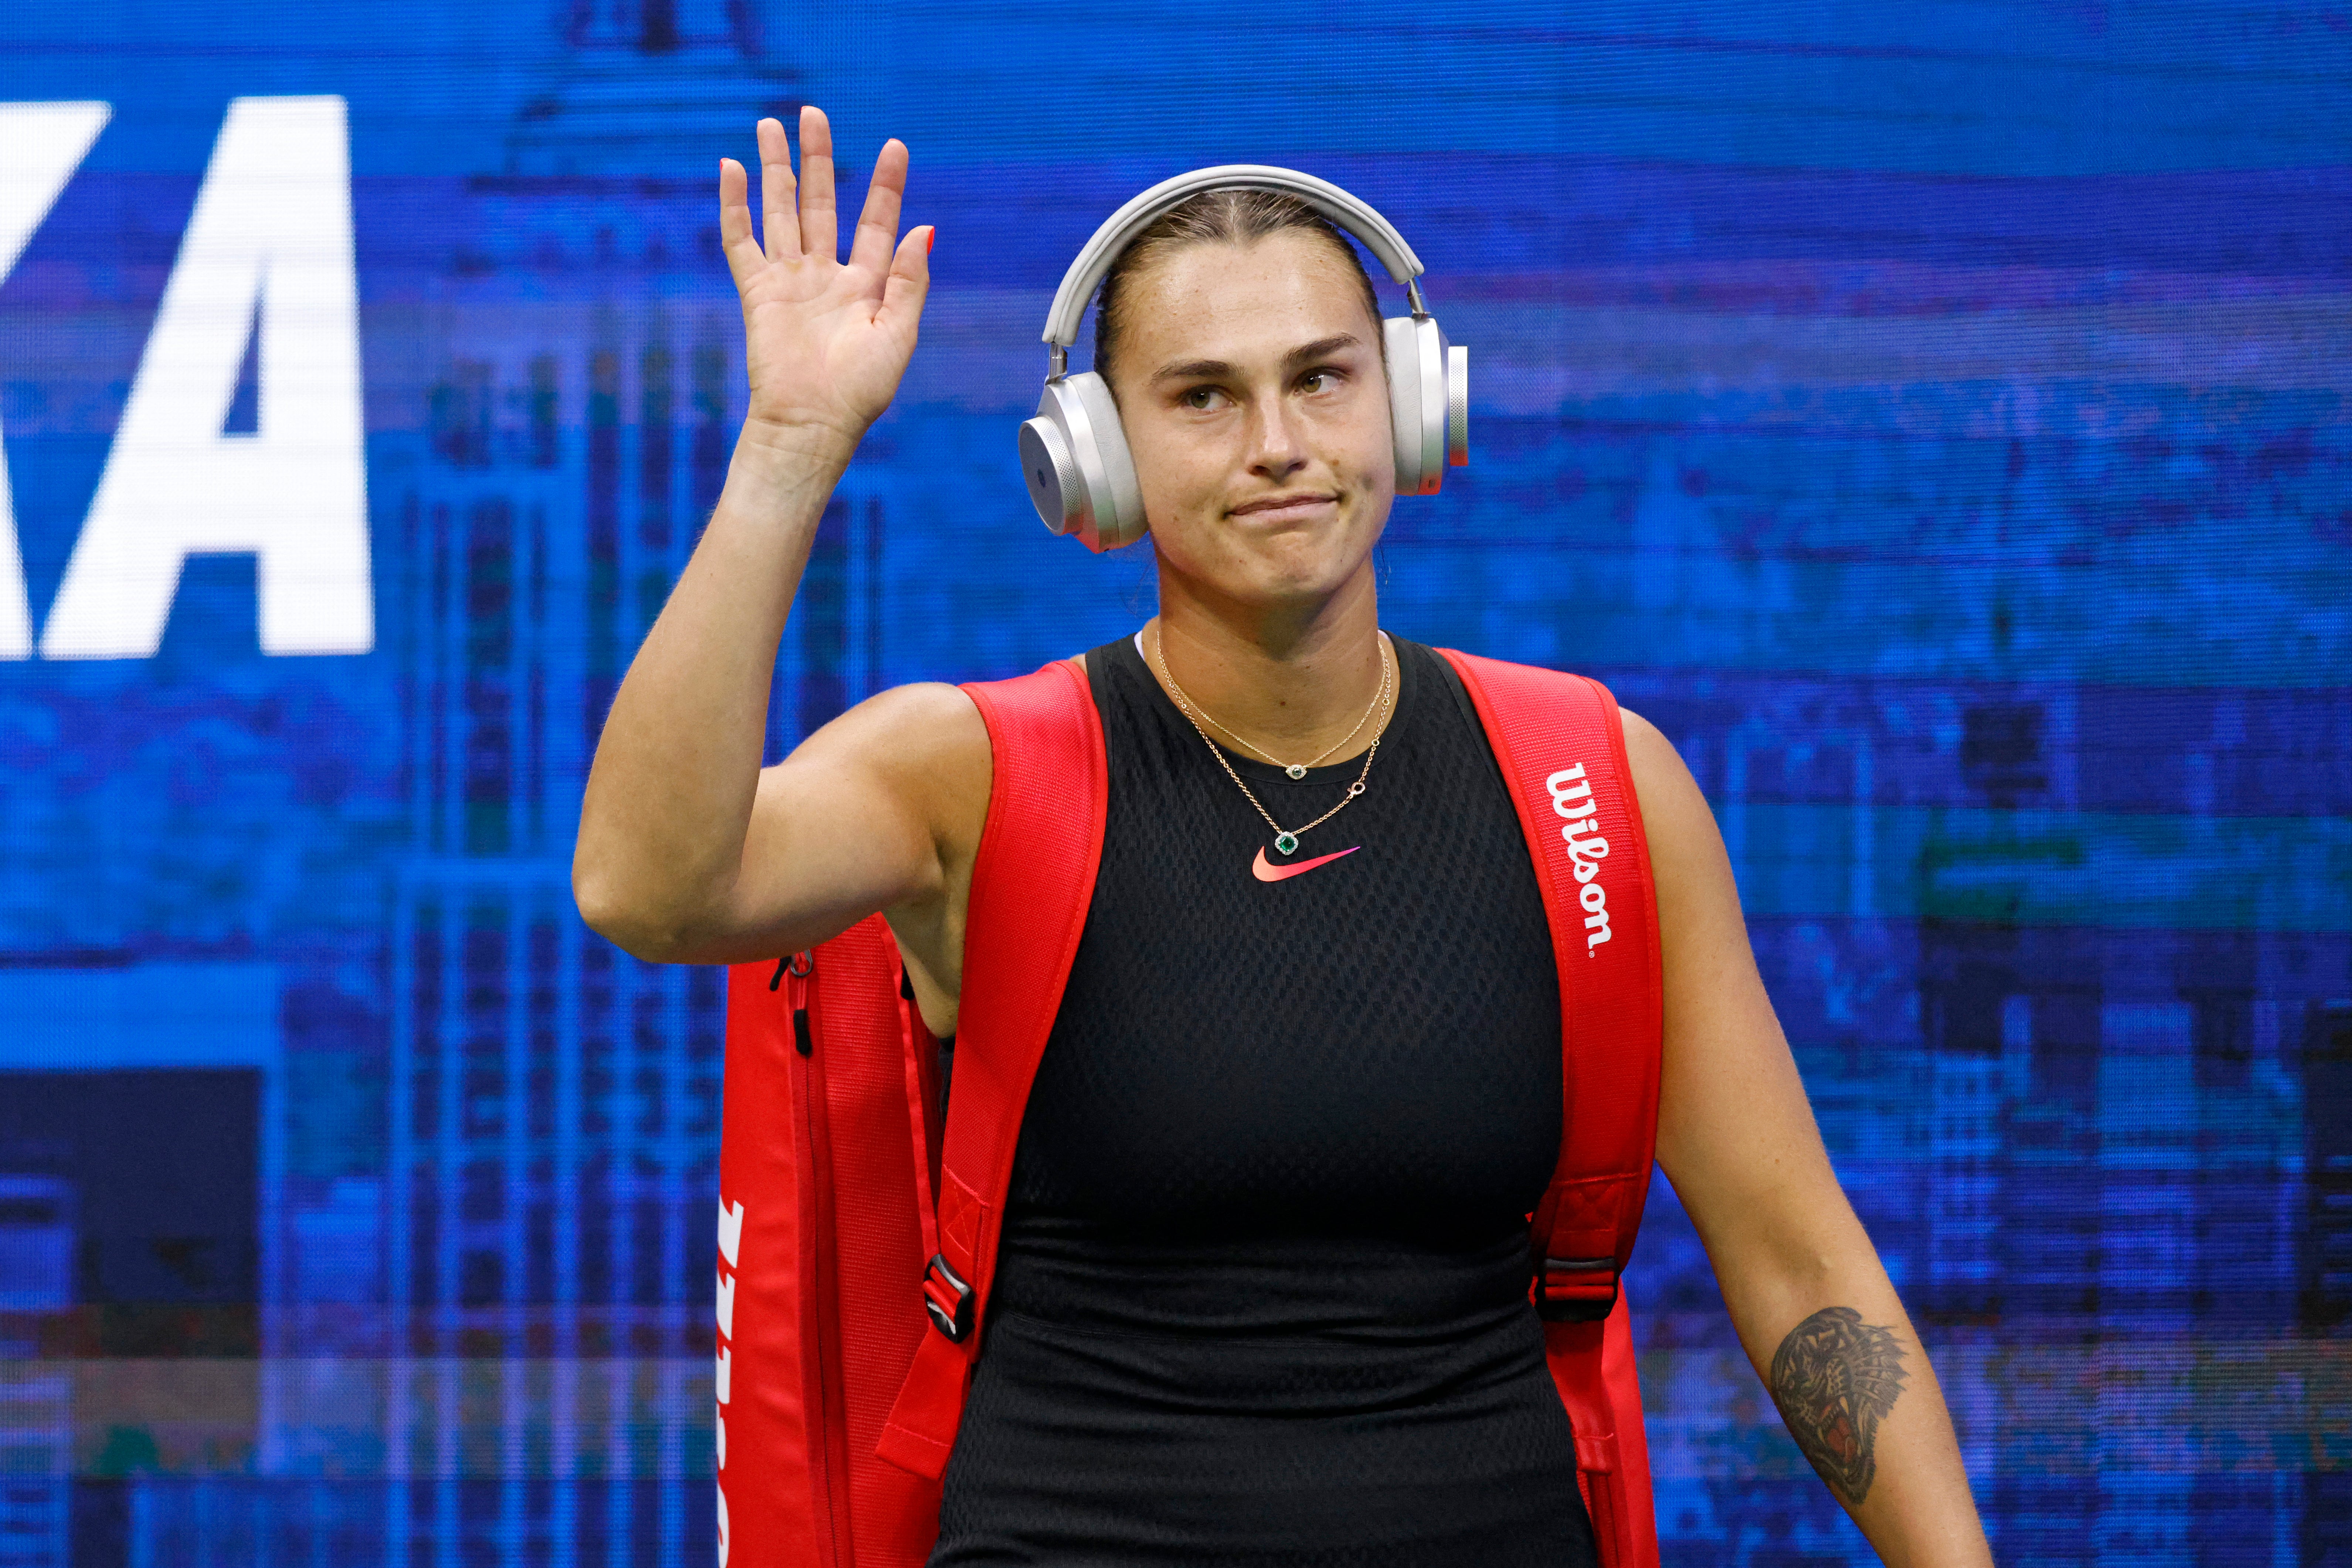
<point x="878" y="811"/>
<point x="1736" y="1134"/>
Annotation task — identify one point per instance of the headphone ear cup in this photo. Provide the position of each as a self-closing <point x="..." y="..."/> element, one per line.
<point x="1118" y="511"/>
<point x="1051" y="470"/>
<point x="1073" y="456"/>
<point x="1417" y="401"/>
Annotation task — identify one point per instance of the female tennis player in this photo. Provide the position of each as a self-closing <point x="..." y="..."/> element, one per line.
<point x="1261" y="1294"/>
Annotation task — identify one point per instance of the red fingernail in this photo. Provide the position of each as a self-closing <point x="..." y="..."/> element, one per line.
<point x="930" y="239"/>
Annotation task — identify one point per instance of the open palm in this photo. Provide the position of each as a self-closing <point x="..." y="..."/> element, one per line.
<point x="825" y="340"/>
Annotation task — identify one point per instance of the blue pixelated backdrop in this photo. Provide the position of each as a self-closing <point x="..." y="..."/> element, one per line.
<point x="1934" y="416"/>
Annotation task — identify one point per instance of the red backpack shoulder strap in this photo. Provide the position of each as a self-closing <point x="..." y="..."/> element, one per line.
<point x="1561" y="747"/>
<point x="1562" y="751"/>
<point x="1031" y="885"/>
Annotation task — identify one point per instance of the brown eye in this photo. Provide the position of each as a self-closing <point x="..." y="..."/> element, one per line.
<point x="1199" y="397"/>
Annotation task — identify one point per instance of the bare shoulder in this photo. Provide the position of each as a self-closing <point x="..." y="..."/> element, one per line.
<point x="925" y="724"/>
<point x="919" y="762"/>
<point x="925" y="744"/>
<point x="1687" y="855"/>
<point x="1661" y="779"/>
<point x="1699" y="920"/>
<point x="1642" y="737"/>
<point x="927" y="729"/>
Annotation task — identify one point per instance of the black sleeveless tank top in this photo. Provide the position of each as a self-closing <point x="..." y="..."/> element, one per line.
<point x="1261" y="1297"/>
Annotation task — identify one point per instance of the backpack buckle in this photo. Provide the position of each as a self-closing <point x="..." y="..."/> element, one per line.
<point x="947" y="1296"/>
<point x="1575" y="1289"/>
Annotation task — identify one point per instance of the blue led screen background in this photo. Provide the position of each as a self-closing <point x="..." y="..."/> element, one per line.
<point x="1934" y="418"/>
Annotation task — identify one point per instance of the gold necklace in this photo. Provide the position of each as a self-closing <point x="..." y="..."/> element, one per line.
<point x="1285" y="840"/>
<point x="1296" y="770"/>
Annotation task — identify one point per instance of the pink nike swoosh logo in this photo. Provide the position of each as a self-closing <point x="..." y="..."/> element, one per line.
<point x="1266" y="873"/>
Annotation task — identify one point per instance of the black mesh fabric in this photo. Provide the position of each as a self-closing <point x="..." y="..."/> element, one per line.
<point x="1261" y="1292"/>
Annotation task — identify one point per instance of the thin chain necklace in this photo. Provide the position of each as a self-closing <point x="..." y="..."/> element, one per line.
<point x="1296" y="770"/>
<point x="1285" y="840"/>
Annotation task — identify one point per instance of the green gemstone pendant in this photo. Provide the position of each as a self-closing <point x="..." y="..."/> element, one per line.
<point x="1285" y="842"/>
<point x="1296" y="769"/>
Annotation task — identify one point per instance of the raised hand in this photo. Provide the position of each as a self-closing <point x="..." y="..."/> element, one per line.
<point x="825" y="340"/>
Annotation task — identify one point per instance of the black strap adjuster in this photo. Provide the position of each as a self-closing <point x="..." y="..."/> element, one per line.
<point x="947" y="1296"/>
<point x="1575" y="1289"/>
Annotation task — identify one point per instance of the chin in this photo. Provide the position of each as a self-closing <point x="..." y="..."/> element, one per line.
<point x="1299" y="564"/>
<point x="1289" y="581"/>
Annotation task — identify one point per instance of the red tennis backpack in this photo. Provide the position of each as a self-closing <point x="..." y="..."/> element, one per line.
<point x="858" y="1236"/>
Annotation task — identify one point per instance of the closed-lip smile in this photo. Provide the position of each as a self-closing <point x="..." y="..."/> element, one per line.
<point x="1277" y="504"/>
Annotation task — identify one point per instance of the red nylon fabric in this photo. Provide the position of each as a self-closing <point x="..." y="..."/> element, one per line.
<point x="820" y="1152"/>
<point x="1623" y="1379"/>
<point x="877" y="1242"/>
<point x="923" y="1116"/>
<point x="1031" y="884"/>
<point x="821" y="1371"/>
<point x="1544" y="725"/>
<point x="766" y="1507"/>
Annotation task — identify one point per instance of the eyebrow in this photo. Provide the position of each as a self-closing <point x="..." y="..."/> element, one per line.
<point x="1210" y="369"/>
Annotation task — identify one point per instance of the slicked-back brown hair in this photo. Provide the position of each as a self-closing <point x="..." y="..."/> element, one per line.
<point x="1228" y="216"/>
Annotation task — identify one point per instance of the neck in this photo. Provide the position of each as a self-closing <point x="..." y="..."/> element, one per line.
<point x="1292" y="678"/>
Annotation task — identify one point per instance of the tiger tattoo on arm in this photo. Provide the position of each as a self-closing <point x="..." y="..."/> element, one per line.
<point x="1834" y="1378"/>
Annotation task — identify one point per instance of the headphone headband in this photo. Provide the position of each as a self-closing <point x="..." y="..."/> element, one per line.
<point x="1344" y="211"/>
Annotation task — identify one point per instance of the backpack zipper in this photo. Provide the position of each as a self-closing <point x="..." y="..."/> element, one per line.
<point x="821" y="1402"/>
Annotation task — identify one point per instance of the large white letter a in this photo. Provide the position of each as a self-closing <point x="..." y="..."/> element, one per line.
<point x="272" y="228"/>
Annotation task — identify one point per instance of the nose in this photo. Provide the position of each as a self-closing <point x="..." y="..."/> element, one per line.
<point x="1276" y="451"/>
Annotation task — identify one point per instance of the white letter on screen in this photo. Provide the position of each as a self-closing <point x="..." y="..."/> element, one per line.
<point x="268" y="249"/>
<point x="41" y="144"/>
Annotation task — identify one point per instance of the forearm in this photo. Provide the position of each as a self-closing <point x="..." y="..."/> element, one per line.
<point x="1813" y="1304"/>
<point x="1837" y="1352"/>
<point x="669" y="796"/>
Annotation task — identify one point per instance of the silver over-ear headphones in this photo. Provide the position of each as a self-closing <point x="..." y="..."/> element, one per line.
<point x="1073" y="453"/>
